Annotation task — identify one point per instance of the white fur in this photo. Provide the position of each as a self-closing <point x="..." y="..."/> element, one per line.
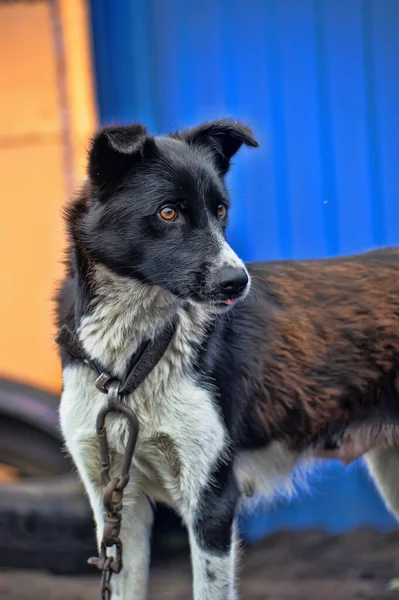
<point x="168" y="404"/>
<point x="226" y="257"/>
<point x="383" y="464"/>
<point x="181" y="433"/>
<point x="271" y="471"/>
<point x="222" y="585"/>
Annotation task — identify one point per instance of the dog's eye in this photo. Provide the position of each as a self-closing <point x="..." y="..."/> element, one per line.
<point x="222" y="211"/>
<point x="168" y="213"/>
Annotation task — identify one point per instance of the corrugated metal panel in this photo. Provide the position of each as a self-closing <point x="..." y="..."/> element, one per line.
<point x="318" y="80"/>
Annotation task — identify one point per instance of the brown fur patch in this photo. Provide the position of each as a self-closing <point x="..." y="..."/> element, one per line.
<point x="166" y="447"/>
<point x="332" y="345"/>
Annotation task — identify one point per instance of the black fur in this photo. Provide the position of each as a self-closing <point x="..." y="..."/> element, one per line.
<point x="218" y="501"/>
<point x="115" y="221"/>
<point x="133" y="176"/>
<point x="313" y="349"/>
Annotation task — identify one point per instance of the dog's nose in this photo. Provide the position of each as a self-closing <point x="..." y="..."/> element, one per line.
<point x="232" y="281"/>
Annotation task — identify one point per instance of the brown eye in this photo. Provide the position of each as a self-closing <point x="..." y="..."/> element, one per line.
<point x="222" y="211"/>
<point x="168" y="213"/>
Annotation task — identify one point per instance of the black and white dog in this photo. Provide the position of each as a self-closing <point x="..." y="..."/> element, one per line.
<point x="269" y="365"/>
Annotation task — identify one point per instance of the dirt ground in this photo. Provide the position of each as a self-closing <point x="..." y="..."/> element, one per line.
<point x="287" y="566"/>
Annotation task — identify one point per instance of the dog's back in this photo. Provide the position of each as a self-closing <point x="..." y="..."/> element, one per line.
<point x="320" y="341"/>
<point x="315" y="355"/>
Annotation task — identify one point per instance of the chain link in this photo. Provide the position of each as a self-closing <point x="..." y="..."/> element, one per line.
<point x="113" y="488"/>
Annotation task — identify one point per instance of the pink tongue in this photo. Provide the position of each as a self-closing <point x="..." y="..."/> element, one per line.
<point x="229" y="302"/>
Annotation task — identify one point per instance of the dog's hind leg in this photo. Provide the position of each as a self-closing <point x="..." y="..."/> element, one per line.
<point x="383" y="465"/>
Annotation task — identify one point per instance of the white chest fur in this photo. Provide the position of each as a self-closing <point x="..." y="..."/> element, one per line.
<point x="181" y="434"/>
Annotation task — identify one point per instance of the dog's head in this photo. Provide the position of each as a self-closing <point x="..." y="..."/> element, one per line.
<point x="159" y="209"/>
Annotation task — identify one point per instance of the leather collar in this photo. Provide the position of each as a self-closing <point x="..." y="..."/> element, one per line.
<point x="140" y="365"/>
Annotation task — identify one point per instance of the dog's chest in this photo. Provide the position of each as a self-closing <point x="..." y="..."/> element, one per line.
<point x="181" y="433"/>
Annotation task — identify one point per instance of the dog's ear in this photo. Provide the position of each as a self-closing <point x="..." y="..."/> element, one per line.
<point x="113" y="152"/>
<point x="224" y="138"/>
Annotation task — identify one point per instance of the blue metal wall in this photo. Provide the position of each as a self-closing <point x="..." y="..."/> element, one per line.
<point x="317" y="79"/>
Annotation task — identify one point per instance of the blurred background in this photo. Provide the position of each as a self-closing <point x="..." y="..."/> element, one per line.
<point x="317" y="80"/>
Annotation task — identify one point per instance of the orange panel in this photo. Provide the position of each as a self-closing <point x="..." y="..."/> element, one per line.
<point x="79" y="78"/>
<point x="28" y="100"/>
<point x="32" y="178"/>
<point x="30" y="253"/>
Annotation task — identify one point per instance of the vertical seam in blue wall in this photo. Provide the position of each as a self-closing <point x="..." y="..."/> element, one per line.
<point x="328" y="171"/>
<point x="100" y="54"/>
<point x="140" y="14"/>
<point x="158" y="118"/>
<point x="279" y="134"/>
<point x="374" y="157"/>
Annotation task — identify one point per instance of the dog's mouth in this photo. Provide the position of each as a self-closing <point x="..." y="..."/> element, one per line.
<point x="226" y="302"/>
<point x="216" y="305"/>
<point x="223" y="305"/>
<point x="218" y="301"/>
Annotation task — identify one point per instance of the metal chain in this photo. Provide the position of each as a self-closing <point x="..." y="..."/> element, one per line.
<point x="113" y="488"/>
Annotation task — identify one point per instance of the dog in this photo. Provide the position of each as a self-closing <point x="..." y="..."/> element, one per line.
<point x="268" y="367"/>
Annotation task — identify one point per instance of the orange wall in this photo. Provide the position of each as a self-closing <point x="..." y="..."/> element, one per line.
<point x="33" y="178"/>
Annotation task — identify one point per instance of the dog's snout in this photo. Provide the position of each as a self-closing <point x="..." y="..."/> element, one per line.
<point x="232" y="281"/>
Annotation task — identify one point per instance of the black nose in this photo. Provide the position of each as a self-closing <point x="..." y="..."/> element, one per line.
<point x="232" y="281"/>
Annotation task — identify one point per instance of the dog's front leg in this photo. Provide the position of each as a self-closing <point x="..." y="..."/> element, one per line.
<point x="137" y="516"/>
<point x="213" y="539"/>
<point x="213" y="569"/>
<point x="78" y="410"/>
<point x="132" y="581"/>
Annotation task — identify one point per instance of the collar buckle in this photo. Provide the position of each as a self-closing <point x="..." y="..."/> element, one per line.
<point x="102" y="382"/>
